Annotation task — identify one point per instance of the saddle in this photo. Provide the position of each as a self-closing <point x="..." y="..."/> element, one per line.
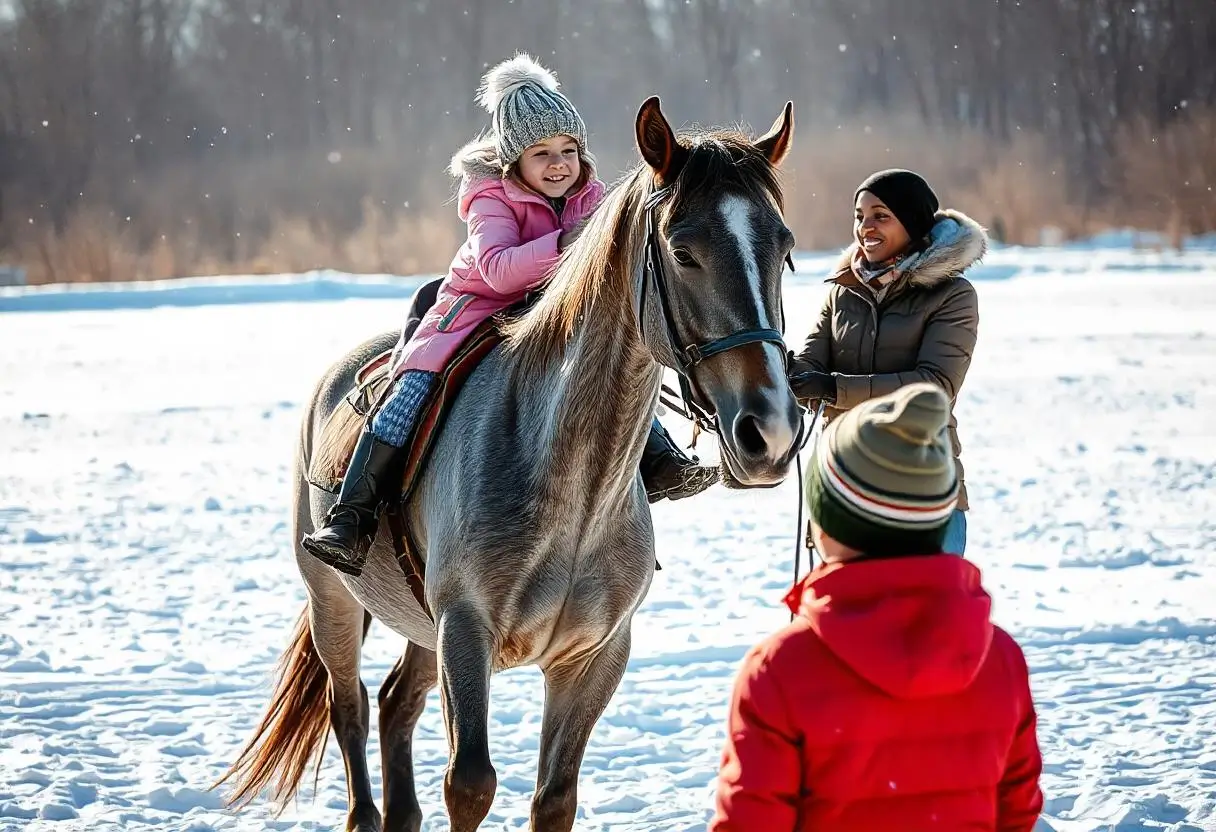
<point x="372" y="383"/>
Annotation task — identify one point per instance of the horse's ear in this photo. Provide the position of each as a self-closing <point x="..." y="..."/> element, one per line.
<point x="776" y="143"/>
<point x="658" y="143"/>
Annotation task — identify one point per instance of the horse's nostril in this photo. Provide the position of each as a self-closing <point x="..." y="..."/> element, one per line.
<point x="748" y="436"/>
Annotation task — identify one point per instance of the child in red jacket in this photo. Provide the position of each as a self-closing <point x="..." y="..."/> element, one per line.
<point x="891" y="702"/>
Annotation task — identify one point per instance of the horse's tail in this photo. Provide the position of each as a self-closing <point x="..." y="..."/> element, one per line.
<point x="292" y="732"/>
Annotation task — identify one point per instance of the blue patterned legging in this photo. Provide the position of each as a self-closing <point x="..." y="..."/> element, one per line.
<point x="395" y="418"/>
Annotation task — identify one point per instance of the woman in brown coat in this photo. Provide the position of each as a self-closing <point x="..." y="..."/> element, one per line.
<point x="899" y="309"/>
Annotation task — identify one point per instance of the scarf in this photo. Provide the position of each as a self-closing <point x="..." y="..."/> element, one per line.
<point x="877" y="277"/>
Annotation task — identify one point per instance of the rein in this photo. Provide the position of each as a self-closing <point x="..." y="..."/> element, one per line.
<point x="816" y="421"/>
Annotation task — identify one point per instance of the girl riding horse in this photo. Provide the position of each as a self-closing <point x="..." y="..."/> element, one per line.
<point x="524" y="188"/>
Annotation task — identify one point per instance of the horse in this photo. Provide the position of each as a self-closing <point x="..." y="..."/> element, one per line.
<point x="531" y="515"/>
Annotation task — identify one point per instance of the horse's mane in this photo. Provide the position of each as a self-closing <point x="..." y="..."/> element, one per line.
<point x="607" y="249"/>
<point x="605" y="246"/>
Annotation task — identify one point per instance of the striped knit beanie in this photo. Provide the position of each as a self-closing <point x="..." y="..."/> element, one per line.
<point x="522" y="97"/>
<point x="883" y="479"/>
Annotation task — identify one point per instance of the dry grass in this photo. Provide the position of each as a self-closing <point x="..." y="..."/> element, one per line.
<point x="1015" y="188"/>
<point x="1167" y="177"/>
<point x="95" y="247"/>
<point x="369" y="212"/>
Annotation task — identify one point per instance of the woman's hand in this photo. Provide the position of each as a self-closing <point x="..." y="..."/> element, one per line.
<point x="814" y="386"/>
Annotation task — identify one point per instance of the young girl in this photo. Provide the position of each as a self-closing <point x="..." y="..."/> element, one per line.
<point x="523" y="189"/>
<point x="899" y="309"/>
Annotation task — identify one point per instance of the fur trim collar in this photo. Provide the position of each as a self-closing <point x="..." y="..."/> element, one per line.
<point x="956" y="243"/>
<point x="476" y="161"/>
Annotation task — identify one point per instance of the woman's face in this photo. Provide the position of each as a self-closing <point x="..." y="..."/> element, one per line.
<point x="880" y="235"/>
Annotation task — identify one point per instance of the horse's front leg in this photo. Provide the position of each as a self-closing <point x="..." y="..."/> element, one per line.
<point x="576" y="695"/>
<point x="465" y="651"/>
<point x="402" y="700"/>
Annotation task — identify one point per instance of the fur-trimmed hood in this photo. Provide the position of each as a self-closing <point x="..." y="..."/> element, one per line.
<point x="956" y="242"/>
<point x="475" y="161"/>
<point x="479" y="160"/>
<point x="477" y="167"/>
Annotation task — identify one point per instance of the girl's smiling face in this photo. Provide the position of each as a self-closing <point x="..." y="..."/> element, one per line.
<point x="876" y="229"/>
<point x="551" y="167"/>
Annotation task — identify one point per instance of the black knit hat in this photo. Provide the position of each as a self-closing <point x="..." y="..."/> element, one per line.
<point x="908" y="196"/>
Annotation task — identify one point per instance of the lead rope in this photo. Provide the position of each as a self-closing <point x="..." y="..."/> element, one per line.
<point x="798" y="534"/>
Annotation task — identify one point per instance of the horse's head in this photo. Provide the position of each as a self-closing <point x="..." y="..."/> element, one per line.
<point x="710" y="292"/>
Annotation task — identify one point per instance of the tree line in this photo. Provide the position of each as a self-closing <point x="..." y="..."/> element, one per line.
<point x="221" y="130"/>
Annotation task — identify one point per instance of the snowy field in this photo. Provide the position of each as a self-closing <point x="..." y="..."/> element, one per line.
<point x="147" y="586"/>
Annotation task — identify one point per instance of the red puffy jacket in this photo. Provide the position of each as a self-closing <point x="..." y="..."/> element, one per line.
<point x="891" y="702"/>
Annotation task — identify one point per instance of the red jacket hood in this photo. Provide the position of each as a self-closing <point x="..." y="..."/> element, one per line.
<point x="914" y="627"/>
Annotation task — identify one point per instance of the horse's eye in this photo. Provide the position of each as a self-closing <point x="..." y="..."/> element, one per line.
<point x="685" y="259"/>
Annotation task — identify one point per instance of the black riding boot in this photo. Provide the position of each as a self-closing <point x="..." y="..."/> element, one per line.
<point x="668" y="472"/>
<point x="350" y="525"/>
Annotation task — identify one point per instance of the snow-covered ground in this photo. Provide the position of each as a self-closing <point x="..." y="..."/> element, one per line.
<point x="147" y="587"/>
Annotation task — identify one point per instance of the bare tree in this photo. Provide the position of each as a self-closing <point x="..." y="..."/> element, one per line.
<point x="221" y="117"/>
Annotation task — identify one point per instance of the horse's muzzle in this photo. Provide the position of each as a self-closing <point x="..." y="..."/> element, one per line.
<point x="760" y="438"/>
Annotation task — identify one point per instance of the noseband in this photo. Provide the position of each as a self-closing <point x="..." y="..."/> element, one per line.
<point x="696" y="409"/>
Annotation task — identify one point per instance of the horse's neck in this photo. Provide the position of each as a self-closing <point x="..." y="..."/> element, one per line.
<point x="606" y="387"/>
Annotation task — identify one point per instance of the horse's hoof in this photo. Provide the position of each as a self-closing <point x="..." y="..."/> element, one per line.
<point x="403" y="821"/>
<point x="364" y="823"/>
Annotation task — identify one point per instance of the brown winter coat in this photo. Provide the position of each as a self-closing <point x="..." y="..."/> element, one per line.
<point x="924" y="328"/>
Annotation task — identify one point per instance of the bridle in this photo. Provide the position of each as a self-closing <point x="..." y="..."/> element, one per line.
<point x="703" y="417"/>
<point x="695" y="408"/>
<point x="684" y="357"/>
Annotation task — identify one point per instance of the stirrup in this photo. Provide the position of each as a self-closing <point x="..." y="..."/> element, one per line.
<point x="354" y="568"/>
<point x="695" y="479"/>
<point x="348" y="560"/>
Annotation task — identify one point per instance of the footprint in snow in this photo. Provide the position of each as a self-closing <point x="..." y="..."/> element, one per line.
<point x="183" y="800"/>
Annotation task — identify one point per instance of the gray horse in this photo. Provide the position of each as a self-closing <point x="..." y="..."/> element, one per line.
<point x="531" y="515"/>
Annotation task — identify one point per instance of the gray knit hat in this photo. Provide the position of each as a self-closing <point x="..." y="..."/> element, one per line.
<point x="883" y="480"/>
<point x="522" y="97"/>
